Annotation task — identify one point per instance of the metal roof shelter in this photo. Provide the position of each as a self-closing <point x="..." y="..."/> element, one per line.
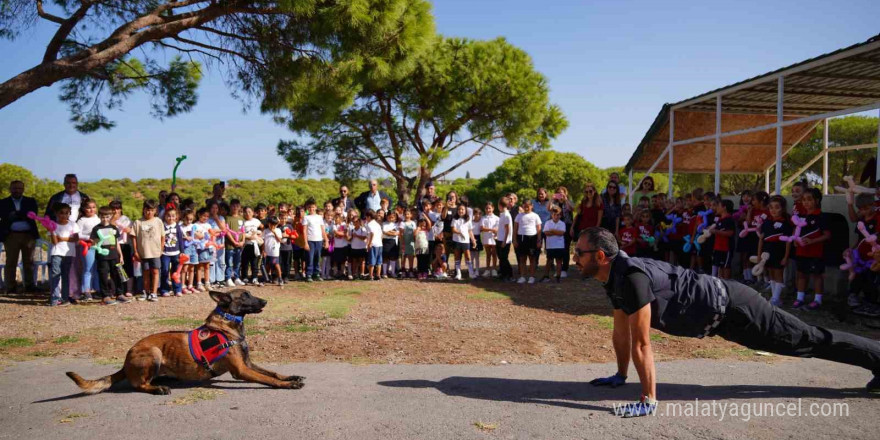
<point x="747" y="127"/>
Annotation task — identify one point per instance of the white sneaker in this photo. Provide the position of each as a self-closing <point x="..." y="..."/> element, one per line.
<point x="531" y="280"/>
<point x="487" y="273"/>
<point x="457" y="274"/>
<point x="563" y="274"/>
<point x="494" y="273"/>
<point x="230" y="283"/>
<point x="476" y="274"/>
<point x="239" y="282"/>
<point x="521" y="280"/>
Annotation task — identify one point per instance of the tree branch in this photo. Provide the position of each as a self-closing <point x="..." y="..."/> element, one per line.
<point x="63" y="31"/>
<point x="47" y="16"/>
<point x="462" y="162"/>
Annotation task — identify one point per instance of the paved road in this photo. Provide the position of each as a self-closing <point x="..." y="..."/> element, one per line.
<point x="342" y="401"/>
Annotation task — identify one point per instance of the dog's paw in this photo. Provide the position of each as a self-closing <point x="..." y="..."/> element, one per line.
<point x="293" y="385"/>
<point x="294" y="379"/>
<point x="162" y="390"/>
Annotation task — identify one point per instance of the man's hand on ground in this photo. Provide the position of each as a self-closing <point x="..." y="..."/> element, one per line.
<point x="611" y="381"/>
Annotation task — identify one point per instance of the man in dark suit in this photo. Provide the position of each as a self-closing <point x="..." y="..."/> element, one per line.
<point x="343" y="200"/>
<point x="18" y="234"/>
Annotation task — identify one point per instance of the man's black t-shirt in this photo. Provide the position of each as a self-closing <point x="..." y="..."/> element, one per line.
<point x="636" y="293"/>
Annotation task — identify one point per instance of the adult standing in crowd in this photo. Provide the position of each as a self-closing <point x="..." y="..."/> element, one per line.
<point x="343" y="200"/>
<point x="612" y="203"/>
<point x="430" y="194"/>
<point x="645" y="189"/>
<point x="18" y="234"/>
<point x="615" y="177"/>
<point x="541" y="205"/>
<point x="589" y="212"/>
<point x="71" y="196"/>
<point x="217" y="192"/>
<point x="560" y="199"/>
<point x="514" y="204"/>
<point x="372" y="199"/>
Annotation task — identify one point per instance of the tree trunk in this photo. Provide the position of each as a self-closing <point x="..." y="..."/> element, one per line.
<point x="43" y="75"/>
<point x="403" y="190"/>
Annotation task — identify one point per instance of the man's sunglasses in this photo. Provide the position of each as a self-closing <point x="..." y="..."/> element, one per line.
<point x="579" y="252"/>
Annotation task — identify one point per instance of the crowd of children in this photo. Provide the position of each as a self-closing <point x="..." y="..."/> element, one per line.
<point x="703" y="232"/>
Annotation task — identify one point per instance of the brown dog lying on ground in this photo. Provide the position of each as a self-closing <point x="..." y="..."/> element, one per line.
<point x="209" y="351"/>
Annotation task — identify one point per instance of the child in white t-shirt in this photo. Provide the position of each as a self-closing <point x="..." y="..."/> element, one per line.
<point x="341" y="245"/>
<point x="359" y="236"/>
<point x="316" y="239"/>
<point x="527" y="241"/>
<point x="272" y="248"/>
<point x="554" y="230"/>
<point x="390" y="246"/>
<point x="87" y="222"/>
<point x="463" y="239"/>
<point x="253" y="241"/>
<point x="374" y="241"/>
<point x="488" y="231"/>
<point x="64" y="239"/>
<point x="476" y="230"/>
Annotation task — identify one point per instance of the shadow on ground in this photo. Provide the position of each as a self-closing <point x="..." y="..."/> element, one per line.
<point x="573" y="394"/>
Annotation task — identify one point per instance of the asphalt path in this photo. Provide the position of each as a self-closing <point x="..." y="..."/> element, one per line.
<point x="343" y="401"/>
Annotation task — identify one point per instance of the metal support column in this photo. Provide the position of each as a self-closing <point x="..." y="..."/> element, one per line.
<point x="718" y="144"/>
<point x="779" y="119"/>
<point x="629" y="192"/>
<point x="671" y="148"/>
<point x="767" y="180"/>
<point x="825" y="157"/>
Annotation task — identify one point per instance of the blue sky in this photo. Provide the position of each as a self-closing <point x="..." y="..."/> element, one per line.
<point x="610" y="66"/>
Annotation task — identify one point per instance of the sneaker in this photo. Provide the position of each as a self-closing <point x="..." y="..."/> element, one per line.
<point x="109" y="301"/>
<point x="874" y="385"/>
<point x="178" y="293"/>
<point x="487" y="273"/>
<point x="166" y="294"/>
<point x="494" y="273"/>
<point x="797" y="304"/>
<point x="309" y="280"/>
<point x="128" y="295"/>
<point x="230" y="283"/>
<point x="867" y="309"/>
<point x="814" y="305"/>
<point x="546" y="280"/>
<point x="776" y="302"/>
<point x="201" y="288"/>
<point x="531" y="280"/>
<point x="74" y="301"/>
<point x="122" y="299"/>
<point x="142" y="297"/>
<point x="152" y="297"/>
<point x="853" y="300"/>
<point x="59" y="303"/>
<point x="457" y="275"/>
<point x="281" y="282"/>
<point x="349" y="277"/>
<point x="521" y="280"/>
<point x="239" y="282"/>
<point x="563" y="274"/>
<point x="88" y="298"/>
<point x="441" y="276"/>
<point x="255" y="282"/>
<point x="317" y="278"/>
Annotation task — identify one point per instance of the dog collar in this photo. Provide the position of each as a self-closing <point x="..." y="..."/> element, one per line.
<point x="228" y="317"/>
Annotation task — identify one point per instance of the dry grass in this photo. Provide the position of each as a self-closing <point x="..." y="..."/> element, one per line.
<point x="485" y="427"/>
<point x="195" y="396"/>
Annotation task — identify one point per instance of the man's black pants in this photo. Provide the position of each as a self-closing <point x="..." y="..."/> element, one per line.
<point x="751" y="321"/>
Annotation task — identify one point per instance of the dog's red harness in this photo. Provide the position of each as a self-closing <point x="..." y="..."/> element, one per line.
<point x="208" y="346"/>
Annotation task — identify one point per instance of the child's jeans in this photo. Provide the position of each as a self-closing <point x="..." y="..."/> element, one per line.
<point x="59" y="277"/>
<point x="285" y="263"/>
<point x="233" y="263"/>
<point x="169" y="266"/>
<point x="89" y="272"/>
<point x="109" y="275"/>
<point x="218" y="268"/>
<point x="250" y="262"/>
<point x="313" y="264"/>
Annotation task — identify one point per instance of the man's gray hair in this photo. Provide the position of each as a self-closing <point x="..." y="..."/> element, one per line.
<point x="601" y="239"/>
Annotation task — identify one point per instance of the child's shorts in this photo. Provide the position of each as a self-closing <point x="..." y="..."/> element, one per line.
<point x="528" y="245"/>
<point x="464" y="247"/>
<point x="375" y="257"/>
<point x="193" y="255"/>
<point x="340" y="254"/>
<point x="721" y="259"/>
<point x="151" y="263"/>
<point x="205" y="256"/>
<point x="810" y="265"/>
<point x="357" y="253"/>
<point x="556" y="254"/>
<point x="271" y="261"/>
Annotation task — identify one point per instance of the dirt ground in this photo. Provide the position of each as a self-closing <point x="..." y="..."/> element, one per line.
<point x="362" y="322"/>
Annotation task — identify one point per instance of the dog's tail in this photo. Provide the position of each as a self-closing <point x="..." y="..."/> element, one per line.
<point x="97" y="385"/>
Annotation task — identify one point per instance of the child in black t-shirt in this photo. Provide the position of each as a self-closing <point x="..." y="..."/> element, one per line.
<point x="105" y="238"/>
<point x="776" y="226"/>
<point x="725" y="227"/>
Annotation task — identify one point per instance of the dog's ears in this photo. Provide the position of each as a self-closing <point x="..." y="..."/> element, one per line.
<point x="221" y="298"/>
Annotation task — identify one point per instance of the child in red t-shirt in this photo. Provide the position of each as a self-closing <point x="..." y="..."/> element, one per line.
<point x="748" y="245"/>
<point x="725" y="227"/>
<point x="644" y="248"/>
<point x="808" y="253"/>
<point x="627" y="235"/>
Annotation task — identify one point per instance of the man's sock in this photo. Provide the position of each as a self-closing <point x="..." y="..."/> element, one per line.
<point x="801" y="296"/>
<point x="818" y="298"/>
